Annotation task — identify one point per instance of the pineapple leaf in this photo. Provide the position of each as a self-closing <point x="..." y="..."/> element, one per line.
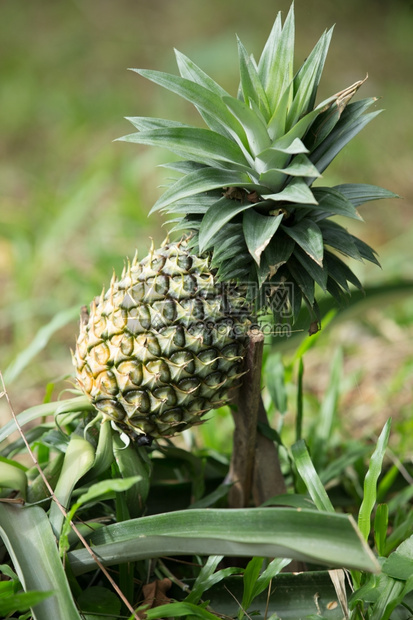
<point x="308" y="236"/>
<point x="301" y="166"/>
<point x="307" y="79"/>
<point x="360" y="193"/>
<point x="269" y="53"/>
<point x="277" y="156"/>
<point x="331" y="111"/>
<point x="278" y="252"/>
<point x="183" y="167"/>
<point x="302" y="278"/>
<point x="366" y="252"/>
<point x="144" y="123"/>
<point x="352" y="121"/>
<point x="337" y="237"/>
<point x="190" y="71"/>
<point x="204" y="99"/>
<point x="276" y="64"/>
<point x="217" y="216"/>
<point x="255" y="130"/>
<point x="203" y="145"/>
<point x="258" y="231"/>
<point x="200" y="181"/>
<point x="339" y="272"/>
<point x="331" y="200"/>
<point x="297" y="191"/>
<point x="251" y="86"/>
<point x="318" y="274"/>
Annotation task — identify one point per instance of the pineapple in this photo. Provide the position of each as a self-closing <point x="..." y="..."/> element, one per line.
<point x="165" y="344"/>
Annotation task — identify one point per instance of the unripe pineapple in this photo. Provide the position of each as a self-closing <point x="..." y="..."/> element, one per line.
<point x="254" y="218"/>
<point x="164" y="345"/>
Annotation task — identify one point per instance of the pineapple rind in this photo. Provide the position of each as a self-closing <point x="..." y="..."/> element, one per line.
<point x="162" y="346"/>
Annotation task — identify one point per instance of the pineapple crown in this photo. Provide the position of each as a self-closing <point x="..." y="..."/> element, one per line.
<point x="246" y="187"/>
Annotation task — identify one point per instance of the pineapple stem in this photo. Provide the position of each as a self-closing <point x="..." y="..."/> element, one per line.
<point x="255" y="469"/>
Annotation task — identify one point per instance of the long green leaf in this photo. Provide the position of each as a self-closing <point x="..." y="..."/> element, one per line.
<point x="370" y="481"/>
<point x="277" y="62"/>
<point x="297" y="192"/>
<point x="359" y="193"/>
<point x="309" y="475"/>
<point x="29" y="539"/>
<point x="202" y="145"/>
<point x="307" y="535"/>
<point x="331" y="200"/>
<point x="216" y="217"/>
<point x="203" y="98"/>
<point x="258" y="138"/>
<point x="199" y="181"/>
<point x="79" y="458"/>
<point x="56" y="408"/>
<point x="208" y="577"/>
<point x="309" y="237"/>
<point x="324" y="424"/>
<point x="340" y="137"/>
<point x="269" y="53"/>
<point x="145" y="123"/>
<point x="190" y="71"/>
<point x="307" y="79"/>
<point x="301" y="166"/>
<point x="258" y="231"/>
<point x="337" y="237"/>
<point x="251" y="85"/>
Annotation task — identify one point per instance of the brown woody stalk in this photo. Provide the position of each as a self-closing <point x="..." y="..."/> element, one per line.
<point x="255" y="468"/>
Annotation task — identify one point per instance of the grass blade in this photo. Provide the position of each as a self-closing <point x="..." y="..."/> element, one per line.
<point x="309" y="475"/>
<point x="370" y="481"/>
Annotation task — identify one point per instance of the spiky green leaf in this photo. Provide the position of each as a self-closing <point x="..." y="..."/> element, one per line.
<point x="202" y="145"/>
<point x="190" y="71"/>
<point x="145" y="123"/>
<point x="350" y="124"/>
<point x="203" y="98"/>
<point x="301" y="166"/>
<point x="278" y="251"/>
<point x="340" y="272"/>
<point x="251" y="86"/>
<point x="318" y="273"/>
<point x="297" y="192"/>
<point x="307" y="79"/>
<point x="217" y="216"/>
<point x="258" y="231"/>
<point x="331" y="200"/>
<point x="359" y="193"/>
<point x="309" y="237"/>
<point x="257" y="135"/>
<point x="277" y="62"/>
<point x="201" y="181"/>
<point x="337" y="237"/>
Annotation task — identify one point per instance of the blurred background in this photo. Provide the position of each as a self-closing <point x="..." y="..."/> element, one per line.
<point x="73" y="203"/>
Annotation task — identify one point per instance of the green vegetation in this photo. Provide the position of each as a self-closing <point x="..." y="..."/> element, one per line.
<point x="163" y="541"/>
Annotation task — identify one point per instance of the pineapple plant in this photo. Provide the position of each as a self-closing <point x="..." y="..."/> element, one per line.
<point x="165" y="343"/>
